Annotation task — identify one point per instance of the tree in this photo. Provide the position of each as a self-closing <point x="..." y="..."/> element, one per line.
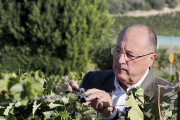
<point x="56" y="36"/>
<point x="172" y="3"/>
<point x="118" y="6"/>
<point x="157" y="4"/>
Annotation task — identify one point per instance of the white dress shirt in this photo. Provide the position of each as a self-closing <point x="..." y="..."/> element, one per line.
<point x="119" y="96"/>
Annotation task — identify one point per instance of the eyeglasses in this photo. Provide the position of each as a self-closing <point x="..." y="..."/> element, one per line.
<point x="115" y="50"/>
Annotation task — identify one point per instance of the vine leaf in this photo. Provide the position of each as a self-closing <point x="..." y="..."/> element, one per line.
<point x="47" y="114"/>
<point x="133" y="105"/>
<point x="139" y="95"/>
<point x="12" y="117"/>
<point x="8" y="109"/>
<point x="48" y="85"/>
<point x="16" y="88"/>
<point x="13" y="81"/>
<point x="154" y="110"/>
<point x="165" y="102"/>
<point x="64" y="114"/>
<point x="3" y="118"/>
<point x="90" y="111"/>
<point x="168" y="113"/>
<point x="135" y="110"/>
<point x="85" y="118"/>
<point x="147" y="107"/>
<point x="64" y="100"/>
<point x="52" y="105"/>
<point x="18" y="104"/>
<point x="1" y="76"/>
<point x="35" y="107"/>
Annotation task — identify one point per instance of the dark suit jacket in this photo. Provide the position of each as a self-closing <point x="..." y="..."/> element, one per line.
<point x="104" y="80"/>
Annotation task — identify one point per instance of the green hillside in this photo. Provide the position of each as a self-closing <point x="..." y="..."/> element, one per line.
<point x="166" y="24"/>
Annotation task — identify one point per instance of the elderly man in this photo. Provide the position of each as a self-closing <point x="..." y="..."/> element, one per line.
<point x="133" y="56"/>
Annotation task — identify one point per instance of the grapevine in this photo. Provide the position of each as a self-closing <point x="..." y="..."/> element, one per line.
<point x="33" y="96"/>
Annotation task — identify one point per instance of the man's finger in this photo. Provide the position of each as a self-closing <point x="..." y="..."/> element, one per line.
<point x="73" y="83"/>
<point x="64" y="88"/>
<point x="102" y="105"/>
<point x="92" y="91"/>
<point x="103" y="102"/>
<point x="93" y="96"/>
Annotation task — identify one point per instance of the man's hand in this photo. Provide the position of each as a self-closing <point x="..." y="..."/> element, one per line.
<point x="69" y="85"/>
<point x="100" y="101"/>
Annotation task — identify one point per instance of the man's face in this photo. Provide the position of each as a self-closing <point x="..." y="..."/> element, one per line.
<point x="133" y="41"/>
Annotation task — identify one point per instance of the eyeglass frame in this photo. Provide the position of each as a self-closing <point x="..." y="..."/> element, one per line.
<point x="135" y="57"/>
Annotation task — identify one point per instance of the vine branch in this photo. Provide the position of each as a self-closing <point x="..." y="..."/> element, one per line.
<point x="160" y="116"/>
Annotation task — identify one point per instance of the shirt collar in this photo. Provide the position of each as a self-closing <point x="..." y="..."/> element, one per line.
<point x="139" y="83"/>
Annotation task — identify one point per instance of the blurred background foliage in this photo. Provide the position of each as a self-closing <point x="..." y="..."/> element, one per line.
<point x="122" y="6"/>
<point x="165" y="24"/>
<point x="58" y="37"/>
<point x="55" y="36"/>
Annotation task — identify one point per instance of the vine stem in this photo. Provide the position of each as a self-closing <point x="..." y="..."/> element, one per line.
<point x="160" y="116"/>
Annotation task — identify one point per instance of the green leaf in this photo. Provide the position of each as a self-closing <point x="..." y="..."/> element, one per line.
<point x="134" y="108"/>
<point x="35" y="107"/>
<point x="33" y="117"/>
<point x="146" y="98"/>
<point x="154" y="110"/>
<point x="18" y="104"/>
<point x="65" y="100"/>
<point x="165" y="104"/>
<point x="4" y="82"/>
<point x="168" y="113"/>
<point x="146" y="118"/>
<point x="22" y="73"/>
<point x="16" y="88"/>
<point x="3" y="118"/>
<point x="47" y="114"/>
<point x="7" y="110"/>
<point x="90" y="111"/>
<point x="139" y="95"/>
<point x="52" y="105"/>
<point x="64" y="114"/>
<point x="12" y="81"/>
<point x="12" y="117"/>
<point x="1" y="76"/>
<point x="48" y="85"/>
<point x="34" y="87"/>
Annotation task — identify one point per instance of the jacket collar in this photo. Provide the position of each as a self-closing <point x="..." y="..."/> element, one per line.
<point x="147" y="85"/>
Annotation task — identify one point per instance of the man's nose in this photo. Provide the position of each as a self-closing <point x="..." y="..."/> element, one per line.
<point x="121" y="58"/>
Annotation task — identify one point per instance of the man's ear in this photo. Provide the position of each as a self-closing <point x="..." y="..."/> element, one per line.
<point x="152" y="58"/>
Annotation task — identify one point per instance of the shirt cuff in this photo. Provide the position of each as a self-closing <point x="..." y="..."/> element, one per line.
<point x="113" y="114"/>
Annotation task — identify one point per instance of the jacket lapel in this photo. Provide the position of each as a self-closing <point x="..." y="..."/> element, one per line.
<point x="149" y="83"/>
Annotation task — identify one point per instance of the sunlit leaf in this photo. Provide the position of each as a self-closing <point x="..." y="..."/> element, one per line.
<point x="7" y="110"/>
<point x="3" y="118"/>
<point x="35" y="107"/>
<point x="52" y="105"/>
<point x="18" y="104"/>
<point x="47" y="114"/>
<point x="134" y="109"/>
<point x="17" y="88"/>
